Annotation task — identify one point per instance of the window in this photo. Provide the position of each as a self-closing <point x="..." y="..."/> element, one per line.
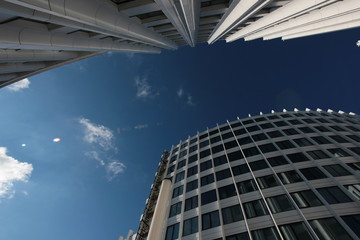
<point x="248" y="122"/>
<point x="215" y="131"/>
<point x="239" y="132"/>
<point x="205" y="165"/>
<point x="355" y="166"/>
<point x="277" y="161"/>
<point x="247" y="186"/>
<point x="267" y="181"/>
<point x="321" y="140"/>
<point x="173" y="158"/>
<point x="355" y="150"/>
<point x="215" y="139"/>
<point x="279" y="203"/>
<point x="266" y="125"/>
<point x="181" y="164"/>
<point x="235" y="156"/>
<point x="322" y="129"/>
<point x="338" y="152"/>
<point x="210" y="220"/>
<point x="171" y="169"/>
<point x="295" y="122"/>
<point x="329" y="228"/>
<point x="255" y="209"/>
<point x="183" y="153"/>
<point x="238" y="236"/>
<point x="259" y="119"/>
<point x="193" y="148"/>
<point x="353" y="128"/>
<point x="339" y="139"/>
<point x="285" y="144"/>
<point x="297" y="157"/>
<point x="172" y="232"/>
<point x="322" y="120"/>
<point x="236" y="124"/>
<point x="220" y="160"/>
<point x="241" y="169"/>
<point x="306" y="130"/>
<point x="333" y="195"/>
<point x="193" y="140"/>
<point x="289" y="177"/>
<point x="208" y="197"/>
<point x="306" y="199"/>
<point x="275" y="134"/>
<point x="280" y="123"/>
<point x="259" y="137"/>
<point x="249" y="152"/>
<point x="302" y="142"/>
<point x="337" y="128"/>
<point x="265" y="148"/>
<point x="203" y="136"/>
<point x="217" y="149"/>
<point x="192" y="171"/>
<point x="227" y="135"/>
<point x="232" y="214"/>
<point x="191" y="203"/>
<point x="309" y="121"/>
<point x="295" y="231"/>
<point x="244" y="140"/>
<point x="231" y="144"/>
<point x="265" y="234"/>
<point x="253" y="128"/>
<point x="184" y="145"/>
<point x="353" y="221"/>
<point x="207" y="179"/>
<point x="193" y="158"/>
<point x="191" y="185"/>
<point x="180" y="176"/>
<point x="312" y="173"/>
<point x="258" y="165"/>
<point x="273" y="117"/>
<point x="175" y="150"/>
<point x="227" y="191"/>
<point x="290" y="131"/>
<point x="178" y="191"/>
<point x="190" y="226"/>
<point x="336" y="170"/>
<point x="205" y="153"/>
<point x="175" y="209"/>
<point x="220" y="175"/>
<point x="354" y="189"/>
<point x="354" y="137"/>
<point x="226" y="127"/>
<point x="204" y="143"/>
<point x="318" y="154"/>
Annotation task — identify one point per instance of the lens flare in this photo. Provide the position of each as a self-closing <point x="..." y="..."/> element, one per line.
<point x="56" y="140"/>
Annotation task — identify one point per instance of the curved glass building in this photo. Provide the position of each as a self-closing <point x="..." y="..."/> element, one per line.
<point x="289" y="175"/>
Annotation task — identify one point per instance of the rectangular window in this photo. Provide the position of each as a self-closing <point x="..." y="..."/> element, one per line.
<point x="215" y="131"/>
<point x="275" y="134"/>
<point x="267" y="181"/>
<point x="355" y="150"/>
<point x="235" y="156"/>
<point x="318" y="154"/>
<point x="336" y="170"/>
<point x="249" y="152"/>
<point x="246" y="186"/>
<point x="339" y="139"/>
<point x="184" y="145"/>
<point x="296" y="231"/>
<point x="181" y="164"/>
<point x="227" y="191"/>
<point x="205" y="153"/>
<point x="210" y="220"/>
<point x="220" y="160"/>
<point x="337" y="128"/>
<point x="290" y="131"/>
<point x="231" y="144"/>
<point x="205" y="165"/>
<point x="236" y="124"/>
<point x="280" y="123"/>
<point x="333" y="195"/>
<point x="297" y="157"/>
<point x="178" y="191"/>
<point x="253" y="128"/>
<point x="193" y="148"/>
<point x="171" y="169"/>
<point x="217" y="149"/>
<point x="239" y="132"/>
<point x="355" y="166"/>
<point x="265" y="234"/>
<point x="232" y="214"/>
<point x="295" y="122"/>
<point x="192" y="171"/>
<point x="172" y="232"/>
<point x="241" y="169"/>
<point x="180" y="176"/>
<point x="353" y="221"/>
<point x="306" y="130"/>
<point x="277" y="161"/>
<point x="215" y="139"/>
<point x="190" y="226"/>
<point x="312" y="173"/>
<point x="244" y="140"/>
<point x="205" y="135"/>
<point x="322" y="129"/>
<point x="255" y="209"/>
<point x="238" y="236"/>
<point x="285" y="144"/>
<point x="266" y="125"/>
<point x="208" y="197"/>
<point x="193" y="140"/>
<point x="207" y="179"/>
<point x="280" y="203"/>
<point x="246" y="122"/>
<point x="338" y="152"/>
<point x="269" y="147"/>
<point x="191" y="203"/>
<point x="191" y="185"/>
<point x="354" y="137"/>
<point x="329" y="228"/>
<point x="175" y="209"/>
<point x="258" y="165"/>
<point x="289" y="177"/>
<point x="182" y="153"/>
<point x="204" y="143"/>
<point x="320" y="140"/>
<point x="193" y="158"/>
<point x="306" y="199"/>
<point x="259" y="137"/>
<point x="227" y="135"/>
<point x="354" y="189"/>
<point x="220" y="175"/>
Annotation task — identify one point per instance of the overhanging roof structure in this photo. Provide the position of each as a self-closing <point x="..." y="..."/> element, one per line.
<point x="38" y="35"/>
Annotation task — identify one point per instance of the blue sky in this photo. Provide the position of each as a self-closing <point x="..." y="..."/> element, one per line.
<point x="116" y="113"/>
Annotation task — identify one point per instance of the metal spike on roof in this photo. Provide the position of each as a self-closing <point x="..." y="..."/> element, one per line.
<point x="272" y="111"/>
<point x="284" y="110"/>
<point x="249" y="115"/>
<point x="296" y="110"/>
<point x="341" y="112"/>
<point x="330" y="111"/>
<point x="307" y="109"/>
<point x="352" y="114"/>
<point x="261" y="113"/>
<point x="319" y="110"/>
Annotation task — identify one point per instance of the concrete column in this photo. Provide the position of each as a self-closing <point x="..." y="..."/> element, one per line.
<point x="9" y="55"/>
<point x="160" y="213"/>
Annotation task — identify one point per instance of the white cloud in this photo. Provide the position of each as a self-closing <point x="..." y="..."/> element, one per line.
<point x="114" y="168"/>
<point x="180" y="92"/>
<point x="190" y="101"/>
<point x="138" y="127"/>
<point x="22" y="84"/>
<point x="143" y="88"/>
<point x="95" y="155"/>
<point x="97" y="134"/>
<point x="12" y="170"/>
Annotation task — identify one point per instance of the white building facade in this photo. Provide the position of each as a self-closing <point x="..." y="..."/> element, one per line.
<point x="290" y="175"/>
<point x="38" y="35"/>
